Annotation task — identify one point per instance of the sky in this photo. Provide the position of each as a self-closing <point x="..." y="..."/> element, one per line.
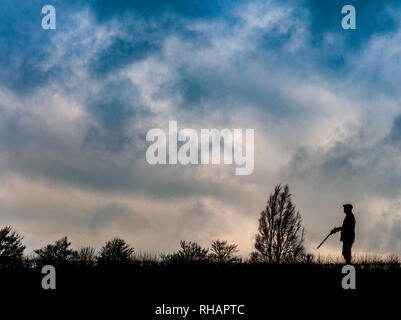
<point x="76" y="104"/>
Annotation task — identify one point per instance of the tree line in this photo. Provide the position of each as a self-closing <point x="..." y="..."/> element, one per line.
<point x="279" y="239"/>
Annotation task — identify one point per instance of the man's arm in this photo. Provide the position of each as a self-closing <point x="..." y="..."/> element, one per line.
<point x="335" y="230"/>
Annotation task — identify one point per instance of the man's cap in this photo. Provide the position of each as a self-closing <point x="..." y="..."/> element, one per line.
<point x="348" y="205"/>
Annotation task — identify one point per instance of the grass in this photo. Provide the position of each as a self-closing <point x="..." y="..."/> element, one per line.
<point x="364" y="260"/>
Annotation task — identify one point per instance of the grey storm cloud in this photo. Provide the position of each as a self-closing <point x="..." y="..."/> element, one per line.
<point x="371" y="169"/>
<point x="119" y="215"/>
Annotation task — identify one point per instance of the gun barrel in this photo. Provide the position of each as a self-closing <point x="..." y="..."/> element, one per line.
<point x="324" y="240"/>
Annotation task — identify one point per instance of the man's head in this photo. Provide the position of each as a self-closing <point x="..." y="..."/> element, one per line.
<point x="347" y="208"/>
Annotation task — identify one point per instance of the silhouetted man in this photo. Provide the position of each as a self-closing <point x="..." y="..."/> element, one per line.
<point x="347" y="232"/>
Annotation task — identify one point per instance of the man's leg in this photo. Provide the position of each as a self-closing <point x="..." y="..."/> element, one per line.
<point x="347" y="252"/>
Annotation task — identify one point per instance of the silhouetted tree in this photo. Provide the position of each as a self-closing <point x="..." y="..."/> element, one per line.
<point x="86" y="256"/>
<point x="57" y="253"/>
<point x="116" y="250"/>
<point x="281" y="236"/>
<point x="11" y="247"/>
<point x="255" y="257"/>
<point x="222" y="252"/>
<point x="189" y="252"/>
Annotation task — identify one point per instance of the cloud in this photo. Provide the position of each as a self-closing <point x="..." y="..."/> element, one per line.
<point x="76" y="103"/>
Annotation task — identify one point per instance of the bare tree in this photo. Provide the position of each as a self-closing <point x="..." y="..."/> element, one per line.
<point x="189" y="252"/>
<point x="86" y="256"/>
<point x="222" y="252"/>
<point x="116" y="250"/>
<point x="11" y="247"/>
<point x="281" y="236"/>
<point x="59" y="252"/>
<point x="255" y="257"/>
